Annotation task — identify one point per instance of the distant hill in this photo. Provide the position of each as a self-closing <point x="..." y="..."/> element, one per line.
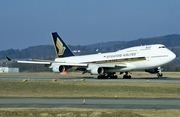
<point x="47" y="51"/>
<point x="40" y="51"/>
<point x="168" y="41"/>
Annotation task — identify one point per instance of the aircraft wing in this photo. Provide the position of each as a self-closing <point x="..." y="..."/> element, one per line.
<point x="55" y="63"/>
<point x="48" y="62"/>
<point x="45" y="62"/>
<point x="35" y="62"/>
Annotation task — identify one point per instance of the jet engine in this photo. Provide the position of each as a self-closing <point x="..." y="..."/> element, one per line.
<point x="59" y="68"/>
<point x="97" y="71"/>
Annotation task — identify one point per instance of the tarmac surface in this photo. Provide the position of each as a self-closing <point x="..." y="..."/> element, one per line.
<point x="168" y="77"/>
<point x="124" y="103"/>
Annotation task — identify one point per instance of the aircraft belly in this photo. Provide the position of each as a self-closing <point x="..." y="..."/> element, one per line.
<point x="129" y="67"/>
<point x="113" y="70"/>
<point x="119" y="70"/>
<point x="147" y="64"/>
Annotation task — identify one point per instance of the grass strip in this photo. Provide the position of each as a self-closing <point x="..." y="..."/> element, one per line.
<point x="79" y="112"/>
<point x="88" y="89"/>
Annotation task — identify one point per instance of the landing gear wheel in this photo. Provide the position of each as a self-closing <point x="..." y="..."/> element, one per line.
<point x="107" y="76"/>
<point x="159" y="75"/>
<point x="127" y="77"/>
<point x="114" y="77"/>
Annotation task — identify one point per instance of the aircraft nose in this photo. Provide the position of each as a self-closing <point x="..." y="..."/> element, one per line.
<point x="172" y="55"/>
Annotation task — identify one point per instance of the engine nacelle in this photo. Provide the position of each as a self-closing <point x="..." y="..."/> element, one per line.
<point x="97" y="70"/>
<point x="60" y="68"/>
<point x="152" y="71"/>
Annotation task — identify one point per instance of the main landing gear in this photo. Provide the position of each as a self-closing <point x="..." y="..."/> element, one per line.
<point x="108" y="76"/>
<point x="126" y="76"/>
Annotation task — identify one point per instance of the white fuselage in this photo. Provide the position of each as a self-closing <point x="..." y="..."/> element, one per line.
<point x="135" y="58"/>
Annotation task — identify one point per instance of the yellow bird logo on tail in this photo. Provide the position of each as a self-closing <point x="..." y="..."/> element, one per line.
<point x="60" y="47"/>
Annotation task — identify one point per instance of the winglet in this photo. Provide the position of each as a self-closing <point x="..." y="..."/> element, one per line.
<point x="7" y="58"/>
<point x="62" y="50"/>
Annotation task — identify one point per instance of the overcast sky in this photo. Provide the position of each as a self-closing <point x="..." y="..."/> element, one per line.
<point x="25" y="23"/>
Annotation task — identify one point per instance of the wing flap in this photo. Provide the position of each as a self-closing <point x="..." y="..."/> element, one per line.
<point x="54" y="62"/>
<point x="121" y="65"/>
<point x="112" y="65"/>
<point x="68" y="64"/>
<point x="87" y="64"/>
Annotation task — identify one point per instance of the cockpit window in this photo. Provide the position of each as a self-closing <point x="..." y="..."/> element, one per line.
<point x="162" y="47"/>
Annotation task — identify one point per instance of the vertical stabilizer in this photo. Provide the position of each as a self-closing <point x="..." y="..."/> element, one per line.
<point x="62" y="50"/>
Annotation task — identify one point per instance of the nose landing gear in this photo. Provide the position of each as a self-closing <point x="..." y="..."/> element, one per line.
<point x="159" y="74"/>
<point x="127" y="76"/>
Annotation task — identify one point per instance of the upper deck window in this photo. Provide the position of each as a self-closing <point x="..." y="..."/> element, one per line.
<point x="162" y="47"/>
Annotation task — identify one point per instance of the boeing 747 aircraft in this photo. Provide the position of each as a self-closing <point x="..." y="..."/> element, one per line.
<point x="150" y="58"/>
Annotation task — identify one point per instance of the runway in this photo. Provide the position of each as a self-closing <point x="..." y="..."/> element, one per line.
<point x="123" y="103"/>
<point x="168" y="77"/>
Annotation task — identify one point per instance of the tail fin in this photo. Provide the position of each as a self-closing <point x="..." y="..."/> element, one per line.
<point x="62" y="50"/>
